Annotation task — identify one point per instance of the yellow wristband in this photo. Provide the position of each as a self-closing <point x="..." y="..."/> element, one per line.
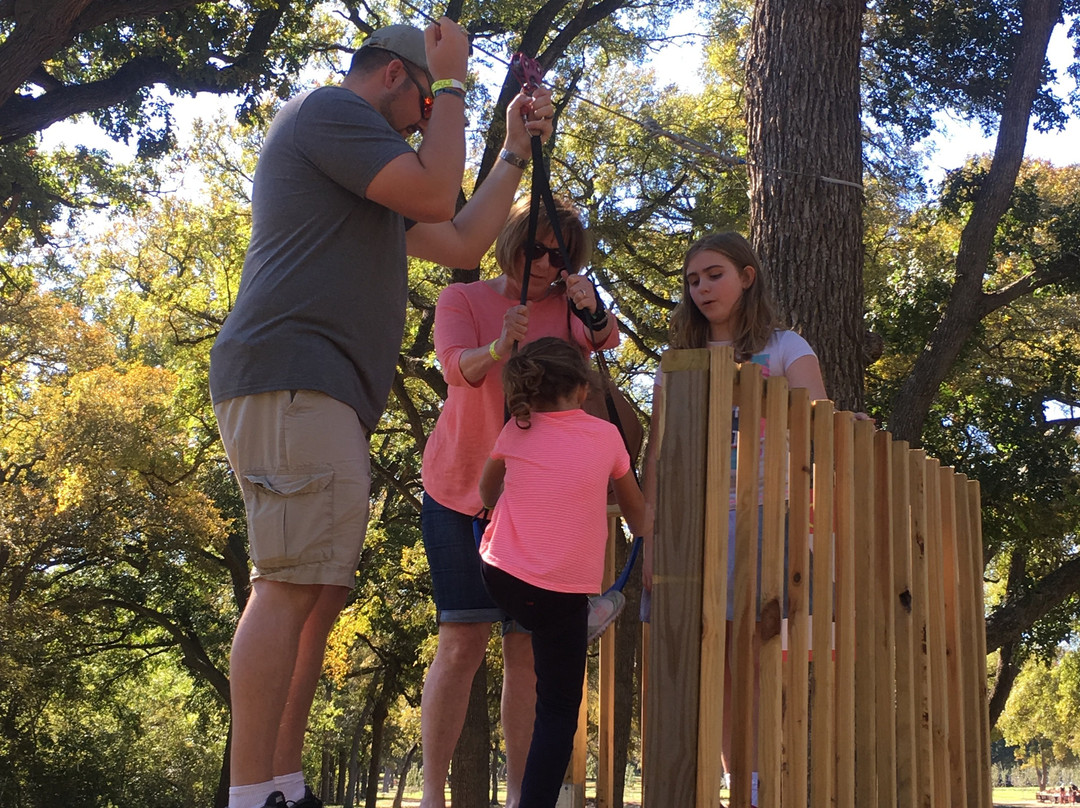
<point x="444" y="83"/>
<point x="491" y="350"/>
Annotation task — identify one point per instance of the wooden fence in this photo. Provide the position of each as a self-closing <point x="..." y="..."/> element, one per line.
<point x="893" y="711"/>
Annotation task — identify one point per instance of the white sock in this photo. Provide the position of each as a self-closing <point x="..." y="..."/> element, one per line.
<point x="291" y="785"/>
<point x="753" y="788"/>
<point x="250" y="796"/>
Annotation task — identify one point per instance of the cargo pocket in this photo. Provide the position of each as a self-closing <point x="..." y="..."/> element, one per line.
<point x="290" y="515"/>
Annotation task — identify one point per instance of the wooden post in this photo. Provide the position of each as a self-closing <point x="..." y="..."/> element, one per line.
<point x="920" y="610"/>
<point x="796" y="682"/>
<point x="844" y="434"/>
<point x="977" y="567"/>
<point x="748" y="399"/>
<point x="670" y="753"/>
<point x="822" y="695"/>
<point x="906" y="646"/>
<point x="605" y="716"/>
<point x="771" y="674"/>
<point x="939" y="680"/>
<point x="953" y="650"/>
<point x="866" y="625"/>
<point x="715" y="575"/>
<point x="972" y="667"/>
<point x="572" y="794"/>
<point x="884" y="619"/>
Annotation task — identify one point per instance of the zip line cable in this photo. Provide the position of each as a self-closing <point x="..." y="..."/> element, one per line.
<point x="651" y="126"/>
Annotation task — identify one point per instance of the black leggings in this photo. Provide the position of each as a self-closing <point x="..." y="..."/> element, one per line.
<point x="559" y="625"/>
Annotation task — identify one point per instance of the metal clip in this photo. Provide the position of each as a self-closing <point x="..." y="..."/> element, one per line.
<point x="527" y="71"/>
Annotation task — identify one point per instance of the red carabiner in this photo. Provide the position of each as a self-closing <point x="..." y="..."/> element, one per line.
<point x="527" y="71"/>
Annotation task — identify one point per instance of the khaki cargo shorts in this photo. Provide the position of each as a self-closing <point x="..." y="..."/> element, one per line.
<point x="302" y="461"/>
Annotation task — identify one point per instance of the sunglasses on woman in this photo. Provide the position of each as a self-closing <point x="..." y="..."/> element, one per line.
<point x="538" y="251"/>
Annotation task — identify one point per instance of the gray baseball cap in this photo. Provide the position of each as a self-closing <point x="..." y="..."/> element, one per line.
<point x="403" y="40"/>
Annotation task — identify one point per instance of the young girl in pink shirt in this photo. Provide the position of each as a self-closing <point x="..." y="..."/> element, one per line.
<point x="543" y="553"/>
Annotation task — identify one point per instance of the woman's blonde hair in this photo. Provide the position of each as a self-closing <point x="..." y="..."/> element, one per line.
<point x="540" y="374"/>
<point x="515" y="232"/>
<point x="754" y="314"/>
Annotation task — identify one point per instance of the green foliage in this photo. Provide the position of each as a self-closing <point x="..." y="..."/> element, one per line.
<point x="926" y="57"/>
<point x="122" y="560"/>
<point x="1043" y="712"/>
<point x="995" y="417"/>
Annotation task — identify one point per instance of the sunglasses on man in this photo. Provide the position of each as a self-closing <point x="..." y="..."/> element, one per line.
<point x="426" y="101"/>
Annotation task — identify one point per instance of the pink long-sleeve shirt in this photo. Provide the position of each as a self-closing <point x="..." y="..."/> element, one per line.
<point x="467" y="316"/>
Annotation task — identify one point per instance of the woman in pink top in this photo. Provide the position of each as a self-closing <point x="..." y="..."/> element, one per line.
<point x="476" y="326"/>
<point x="543" y="552"/>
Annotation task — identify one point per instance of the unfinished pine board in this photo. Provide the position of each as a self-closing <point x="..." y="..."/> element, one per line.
<point x="823" y="681"/>
<point x="715" y="575"/>
<point x="796" y="683"/>
<point x="670" y="754"/>
<point x="953" y="650"/>
<point x="924" y="771"/>
<point x="748" y="398"/>
<point x="866" y="624"/>
<point x="844" y="436"/>
<point x="906" y="646"/>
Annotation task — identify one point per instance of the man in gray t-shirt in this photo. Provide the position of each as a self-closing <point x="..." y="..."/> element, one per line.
<point x="303" y="366"/>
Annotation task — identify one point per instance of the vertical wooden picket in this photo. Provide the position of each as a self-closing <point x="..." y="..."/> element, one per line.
<point x="670" y="743"/>
<point x="846" y="736"/>
<point x="822" y="686"/>
<point x="748" y="398"/>
<point x="882" y="577"/>
<point x="906" y="647"/>
<point x="866" y="622"/>
<point x="799" y="589"/>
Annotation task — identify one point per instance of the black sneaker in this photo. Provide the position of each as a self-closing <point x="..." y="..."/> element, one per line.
<point x="275" y="800"/>
<point x="309" y="800"/>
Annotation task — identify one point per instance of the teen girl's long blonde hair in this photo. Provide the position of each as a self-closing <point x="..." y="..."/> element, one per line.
<point x="755" y="314"/>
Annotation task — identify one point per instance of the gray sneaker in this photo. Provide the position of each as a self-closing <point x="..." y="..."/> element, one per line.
<point x="603" y="609"/>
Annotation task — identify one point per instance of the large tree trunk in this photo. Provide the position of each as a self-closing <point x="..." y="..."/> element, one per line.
<point x="378" y="725"/>
<point x="804" y="143"/>
<point x="968" y="304"/>
<point x="469" y="767"/>
<point x="403" y="774"/>
<point x="221" y="796"/>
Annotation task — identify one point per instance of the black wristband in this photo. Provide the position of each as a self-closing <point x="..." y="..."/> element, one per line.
<point x="598" y="324"/>
<point x="597" y="320"/>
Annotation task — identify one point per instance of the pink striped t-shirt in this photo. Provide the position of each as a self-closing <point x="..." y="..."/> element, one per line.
<point x="469" y="315"/>
<point x="549" y="527"/>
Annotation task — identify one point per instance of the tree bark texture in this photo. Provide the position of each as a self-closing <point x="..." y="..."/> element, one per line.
<point x="378" y="728"/>
<point x="469" y="767"/>
<point x="1009" y="622"/>
<point x="804" y="143"/>
<point x="968" y="303"/>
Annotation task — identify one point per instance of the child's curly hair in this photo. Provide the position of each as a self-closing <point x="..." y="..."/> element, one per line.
<point x="541" y="373"/>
